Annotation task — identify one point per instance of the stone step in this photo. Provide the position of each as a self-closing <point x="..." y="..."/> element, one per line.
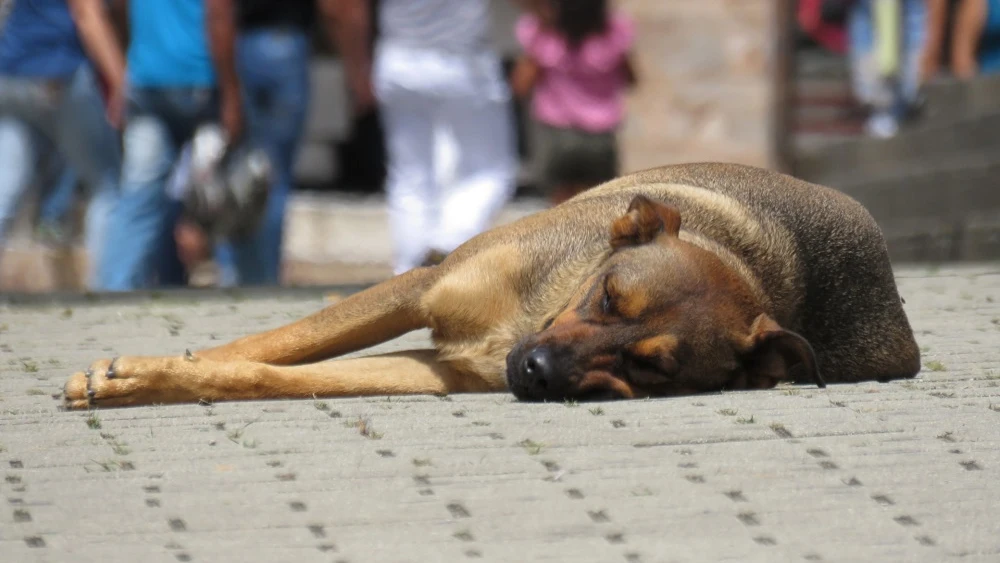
<point x="949" y="100"/>
<point x="918" y="147"/>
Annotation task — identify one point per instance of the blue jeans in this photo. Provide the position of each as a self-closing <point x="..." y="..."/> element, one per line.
<point x="893" y="97"/>
<point x="141" y="250"/>
<point x="274" y="69"/>
<point x="58" y="200"/>
<point x="41" y="117"/>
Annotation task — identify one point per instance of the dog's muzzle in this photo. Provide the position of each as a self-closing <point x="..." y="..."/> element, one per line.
<point x="535" y="373"/>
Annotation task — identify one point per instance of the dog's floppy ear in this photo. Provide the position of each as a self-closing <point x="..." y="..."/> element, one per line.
<point x="773" y="353"/>
<point x="644" y="221"/>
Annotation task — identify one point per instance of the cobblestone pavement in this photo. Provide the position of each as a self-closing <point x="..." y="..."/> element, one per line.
<point x="902" y="471"/>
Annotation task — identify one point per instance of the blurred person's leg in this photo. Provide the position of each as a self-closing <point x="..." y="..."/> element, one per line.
<point x="19" y="156"/>
<point x="410" y="188"/>
<point x="68" y="116"/>
<point x="407" y="119"/>
<point x="274" y="69"/>
<point x="92" y="149"/>
<point x="861" y="35"/>
<point x="932" y="55"/>
<point x="170" y="269"/>
<point x="485" y="167"/>
<point x="871" y="88"/>
<point x="914" y="40"/>
<point x="988" y="53"/>
<point x="975" y="47"/>
<point x="58" y="197"/>
<point x="159" y="121"/>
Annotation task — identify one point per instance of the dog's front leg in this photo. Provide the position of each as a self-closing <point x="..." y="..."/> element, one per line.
<point x="130" y="381"/>
<point x="372" y="316"/>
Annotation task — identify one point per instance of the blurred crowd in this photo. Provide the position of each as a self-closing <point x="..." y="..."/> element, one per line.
<point x="99" y="100"/>
<point x="107" y="94"/>
<point x="897" y="46"/>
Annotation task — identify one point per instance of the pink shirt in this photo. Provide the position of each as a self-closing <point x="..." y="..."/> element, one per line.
<point x="583" y="89"/>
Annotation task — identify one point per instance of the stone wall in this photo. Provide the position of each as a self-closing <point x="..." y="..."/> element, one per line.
<point x="706" y="69"/>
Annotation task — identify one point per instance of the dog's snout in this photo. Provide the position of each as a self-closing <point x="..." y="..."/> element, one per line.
<point x="533" y="374"/>
<point x="537" y="366"/>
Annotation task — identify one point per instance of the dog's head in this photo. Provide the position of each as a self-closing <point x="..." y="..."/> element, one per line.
<point x="660" y="317"/>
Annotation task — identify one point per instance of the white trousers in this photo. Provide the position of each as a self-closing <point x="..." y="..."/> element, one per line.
<point x="450" y="146"/>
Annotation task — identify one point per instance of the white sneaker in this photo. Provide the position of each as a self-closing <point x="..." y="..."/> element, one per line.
<point x="882" y="126"/>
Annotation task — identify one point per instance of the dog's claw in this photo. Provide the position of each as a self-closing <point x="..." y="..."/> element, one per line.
<point x="188" y="355"/>
<point x="91" y="394"/>
<point x="110" y="374"/>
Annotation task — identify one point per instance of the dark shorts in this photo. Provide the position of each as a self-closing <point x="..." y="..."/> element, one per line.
<point x="565" y="156"/>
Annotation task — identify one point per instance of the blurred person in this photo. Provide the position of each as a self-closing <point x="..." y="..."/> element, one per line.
<point x="886" y="48"/>
<point x="181" y="73"/>
<point x="272" y="57"/>
<point x="51" y="107"/>
<point x="975" y="47"/>
<point x="577" y="68"/>
<point x="435" y="71"/>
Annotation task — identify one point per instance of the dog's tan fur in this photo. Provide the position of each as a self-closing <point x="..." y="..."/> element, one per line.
<point x="763" y="256"/>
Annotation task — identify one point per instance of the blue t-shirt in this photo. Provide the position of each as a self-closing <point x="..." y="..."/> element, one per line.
<point x="989" y="45"/>
<point x="39" y="40"/>
<point x="169" y="44"/>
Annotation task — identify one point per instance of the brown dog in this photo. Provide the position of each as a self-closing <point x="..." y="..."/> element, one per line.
<point x="605" y="296"/>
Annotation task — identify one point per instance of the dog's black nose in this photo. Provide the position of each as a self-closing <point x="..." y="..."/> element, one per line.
<point x="534" y="374"/>
<point x="536" y="367"/>
<point x="538" y="372"/>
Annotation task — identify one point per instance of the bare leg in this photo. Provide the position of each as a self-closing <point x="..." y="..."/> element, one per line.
<point x="930" y="59"/>
<point x="132" y="381"/>
<point x="970" y="20"/>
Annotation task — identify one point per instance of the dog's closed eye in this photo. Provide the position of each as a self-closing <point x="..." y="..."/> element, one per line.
<point x="608" y="297"/>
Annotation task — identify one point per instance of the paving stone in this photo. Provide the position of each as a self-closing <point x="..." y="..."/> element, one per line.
<point x="901" y="471"/>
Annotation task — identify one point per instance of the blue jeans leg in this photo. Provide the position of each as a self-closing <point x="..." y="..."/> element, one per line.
<point x="19" y="152"/>
<point x="142" y="247"/>
<point x="143" y="212"/>
<point x="72" y="124"/>
<point x="92" y="150"/>
<point x="869" y="87"/>
<point x="274" y="68"/>
<point x="58" y="199"/>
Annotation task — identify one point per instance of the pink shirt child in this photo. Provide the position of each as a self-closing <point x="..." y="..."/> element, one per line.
<point x="584" y="89"/>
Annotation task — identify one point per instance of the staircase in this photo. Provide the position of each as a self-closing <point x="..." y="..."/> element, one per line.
<point x="934" y="187"/>
<point x="825" y="112"/>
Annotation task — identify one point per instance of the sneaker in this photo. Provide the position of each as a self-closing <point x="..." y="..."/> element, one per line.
<point x="882" y="126"/>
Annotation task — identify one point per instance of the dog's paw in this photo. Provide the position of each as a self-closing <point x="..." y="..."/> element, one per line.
<point x="113" y="383"/>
